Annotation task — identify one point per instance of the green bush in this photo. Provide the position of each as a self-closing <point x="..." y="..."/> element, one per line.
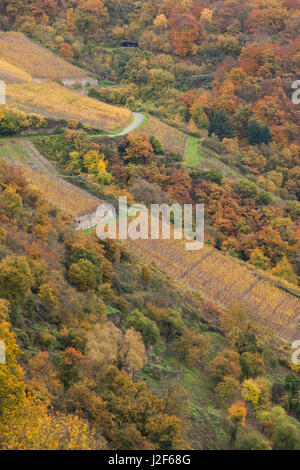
<point x="143" y="325"/>
<point x="254" y="441"/>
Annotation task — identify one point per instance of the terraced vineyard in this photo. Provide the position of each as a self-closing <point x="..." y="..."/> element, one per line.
<point x="55" y="101"/>
<point x="224" y="279"/>
<point x="63" y="195"/>
<point x="220" y="278"/>
<point x="11" y="74"/>
<point x="171" y="139"/>
<point x="19" y="51"/>
<point x="23" y="152"/>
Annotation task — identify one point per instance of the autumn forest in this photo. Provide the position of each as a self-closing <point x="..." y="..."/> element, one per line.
<point x="140" y="345"/>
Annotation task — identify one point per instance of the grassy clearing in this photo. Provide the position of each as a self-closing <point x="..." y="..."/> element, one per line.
<point x="196" y="155"/>
<point x="204" y="417"/>
<point x="192" y="154"/>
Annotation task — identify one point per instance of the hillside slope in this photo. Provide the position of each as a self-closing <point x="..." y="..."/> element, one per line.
<point x="67" y="332"/>
<point x="55" y="101"/>
<point x="68" y="198"/>
<point x="21" y="52"/>
<point x="171" y="139"/>
<point x="11" y="74"/>
<point x="224" y="279"/>
<point x="22" y="151"/>
<point x="218" y="277"/>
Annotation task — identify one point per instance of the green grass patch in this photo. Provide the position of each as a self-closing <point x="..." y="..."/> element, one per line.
<point x="19" y="151"/>
<point x="192" y="153"/>
<point x="204" y="417"/>
<point x="105" y="82"/>
<point x="88" y="231"/>
<point x="13" y="151"/>
<point x="117" y="131"/>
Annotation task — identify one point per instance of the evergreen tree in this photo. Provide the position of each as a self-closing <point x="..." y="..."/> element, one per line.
<point x="220" y="125"/>
<point x="156" y="145"/>
<point x="259" y="134"/>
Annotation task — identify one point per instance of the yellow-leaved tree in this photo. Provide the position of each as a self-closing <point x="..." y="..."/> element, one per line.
<point x="108" y="345"/>
<point x="26" y="423"/>
<point x="237" y="416"/>
<point x="12" y="392"/>
<point x="96" y="166"/>
<point x="33" y="427"/>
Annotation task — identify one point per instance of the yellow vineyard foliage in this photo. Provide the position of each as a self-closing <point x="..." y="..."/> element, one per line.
<point x="171" y="139"/>
<point x="55" y="101"/>
<point x="18" y="50"/>
<point x="220" y="278"/>
<point x="10" y="73"/>
<point x="65" y="196"/>
<point x="223" y="279"/>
